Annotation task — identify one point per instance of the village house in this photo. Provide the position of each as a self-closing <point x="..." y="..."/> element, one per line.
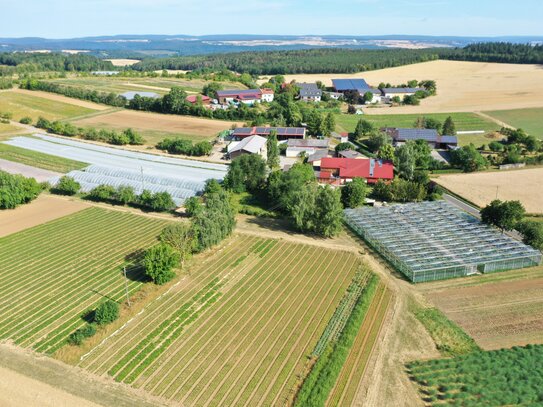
<point x="246" y="96"/>
<point x="431" y="136"/>
<point x="193" y="99"/>
<point x="249" y="145"/>
<point x="389" y="93"/>
<point x="309" y="92"/>
<point x="283" y="133"/>
<point x="337" y="171"/>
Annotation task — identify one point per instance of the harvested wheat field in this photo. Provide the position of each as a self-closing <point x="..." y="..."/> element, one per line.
<point x="122" y="62"/>
<point x="482" y="187"/>
<point x="62" y="99"/>
<point x="44" y="209"/>
<point x="498" y="311"/>
<point x="461" y="86"/>
<point x="153" y="125"/>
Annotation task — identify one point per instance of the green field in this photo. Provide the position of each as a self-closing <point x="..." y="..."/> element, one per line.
<point x="55" y="273"/>
<point x="21" y="105"/>
<point x="531" y="120"/>
<point x="506" y="377"/>
<point x="463" y="122"/>
<point x="39" y="160"/>
<point x="157" y="85"/>
<point x="238" y="331"/>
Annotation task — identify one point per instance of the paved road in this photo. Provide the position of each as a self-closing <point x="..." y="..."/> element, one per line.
<point x="475" y="212"/>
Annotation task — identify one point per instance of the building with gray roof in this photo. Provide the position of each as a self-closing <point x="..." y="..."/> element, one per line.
<point x="309" y="92"/>
<point x="431" y="136"/>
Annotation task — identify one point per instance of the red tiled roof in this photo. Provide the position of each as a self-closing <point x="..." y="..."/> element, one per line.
<point x="352" y="167"/>
<point x="194" y="98"/>
<point x="267" y="90"/>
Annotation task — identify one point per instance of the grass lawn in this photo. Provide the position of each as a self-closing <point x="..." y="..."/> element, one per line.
<point x="21" y="105"/>
<point x="463" y="122"/>
<point x="530" y="120"/>
<point x="39" y="160"/>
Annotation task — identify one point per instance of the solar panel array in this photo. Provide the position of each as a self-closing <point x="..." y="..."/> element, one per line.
<point x="435" y="240"/>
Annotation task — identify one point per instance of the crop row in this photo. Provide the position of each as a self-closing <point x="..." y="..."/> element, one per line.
<point x="116" y="348"/>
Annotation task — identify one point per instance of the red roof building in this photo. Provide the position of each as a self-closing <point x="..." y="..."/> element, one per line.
<point x="206" y="100"/>
<point x="340" y="170"/>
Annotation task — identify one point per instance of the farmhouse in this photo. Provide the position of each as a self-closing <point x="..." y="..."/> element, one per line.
<point x="283" y="133"/>
<point x="309" y="92"/>
<point x="377" y="96"/>
<point x="337" y="171"/>
<point x="247" y="96"/>
<point x="344" y="85"/>
<point x="334" y="95"/>
<point x="389" y="93"/>
<point x="249" y="145"/>
<point x="132" y="94"/>
<point x="193" y="99"/>
<point x="295" y="147"/>
<point x="431" y="136"/>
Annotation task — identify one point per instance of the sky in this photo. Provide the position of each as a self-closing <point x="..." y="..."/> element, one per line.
<point x="79" y="18"/>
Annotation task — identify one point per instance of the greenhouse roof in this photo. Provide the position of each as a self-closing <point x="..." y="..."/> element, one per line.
<point x="435" y="235"/>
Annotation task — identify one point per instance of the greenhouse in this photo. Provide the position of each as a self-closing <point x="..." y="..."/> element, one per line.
<point x="435" y="240"/>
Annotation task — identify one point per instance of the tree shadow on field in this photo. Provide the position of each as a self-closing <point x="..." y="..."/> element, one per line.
<point x="134" y="269"/>
<point x="88" y="316"/>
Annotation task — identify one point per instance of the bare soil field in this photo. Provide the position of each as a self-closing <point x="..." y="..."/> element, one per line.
<point x="496" y="313"/>
<point x="461" y="86"/>
<point x="44" y="209"/>
<point x="60" y="98"/>
<point x="123" y="62"/>
<point x="150" y="124"/>
<point x="481" y="188"/>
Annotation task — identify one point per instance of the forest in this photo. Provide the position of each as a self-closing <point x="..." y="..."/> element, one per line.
<point x="34" y="62"/>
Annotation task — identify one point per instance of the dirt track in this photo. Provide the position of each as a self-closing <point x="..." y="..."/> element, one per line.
<point x="44" y="209"/>
<point x="461" y="86"/>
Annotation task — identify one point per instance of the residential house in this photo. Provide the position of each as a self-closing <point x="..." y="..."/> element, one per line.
<point x="306" y="146"/>
<point x="389" y="93"/>
<point x="246" y="96"/>
<point x="377" y="95"/>
<point x="334" y="95"/>
<point x="193" y="99"/>
<point x="283" y="133"/>
<point x="337" y="171"/>
<point x="431" y="136"/>
<point x="341" y="137"/>
<point x="249" y="145"/>
<point x="309" y="92"/>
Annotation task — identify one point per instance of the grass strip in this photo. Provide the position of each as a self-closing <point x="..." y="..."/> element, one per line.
<point x="39" y="160"/>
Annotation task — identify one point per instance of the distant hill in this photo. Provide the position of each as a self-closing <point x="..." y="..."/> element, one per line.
<point x="140" y="46"/>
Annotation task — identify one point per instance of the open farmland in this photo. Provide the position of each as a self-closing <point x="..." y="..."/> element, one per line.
<point x="461" y="86"/>
<point x="481" y="188"/>
<point x="154" y="127"/>
<point x="500" y="310"/>
<point x="39" y="160"/>
<point x="54" y="273"/>
<point x="35" y="104"/>
<point x="530" y="120"/>
<point x="237" y="330"/>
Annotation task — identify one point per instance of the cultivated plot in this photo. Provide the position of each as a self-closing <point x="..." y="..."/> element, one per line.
<point x="54" y="273"/>
<point x="530" y="120"/>
<point x="237" y="330"/>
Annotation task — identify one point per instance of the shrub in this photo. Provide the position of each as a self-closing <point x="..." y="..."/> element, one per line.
<point x="16" y="190"/>
<point x="159" y="262"/>
<point x="66" y="186"/>
<point x="26" y="120"/>
<point x="102" y="193"/>
<point x="106" y="312"/>
<point x="77" y="337"/>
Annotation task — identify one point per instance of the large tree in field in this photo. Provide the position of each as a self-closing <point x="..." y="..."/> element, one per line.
<point x="354" y="193"/>
<point x="504" y="215"/>
<point x="180" y="236"/>
<point x="272" y="148"/>
<point x="246" y="173"/>
<point x="159" y="262"/>
<point x="363" y="128"/>
<point x="329" y="124"/>
<point x="328" y="212"/>
<point x="532" y="233"/>
<point x="449" y="129"/>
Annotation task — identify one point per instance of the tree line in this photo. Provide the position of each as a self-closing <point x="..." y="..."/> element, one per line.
<point x="36" y="62"/>
<point x="503" y="52"/>
<point x="16" y="190"/>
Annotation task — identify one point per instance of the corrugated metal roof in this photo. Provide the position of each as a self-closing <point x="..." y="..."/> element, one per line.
<point x="317" y="143"/>
<point x="251" y="144"/>
<point x="401" y="90"/>
<point x="342" y="85"/>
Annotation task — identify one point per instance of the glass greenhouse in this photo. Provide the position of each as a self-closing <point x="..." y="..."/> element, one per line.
<point x="435" y="240"/>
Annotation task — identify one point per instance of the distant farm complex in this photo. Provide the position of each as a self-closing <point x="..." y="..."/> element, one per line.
<point x="434" y="241"/>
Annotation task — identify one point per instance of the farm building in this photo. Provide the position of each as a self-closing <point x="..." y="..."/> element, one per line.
<point x="247" y="96"/>
<point x="389" y="93"/>
<point x="431" y="136"/>
<point x="344" y="85"/>
<point x="430" y="241"/>
<point x="283" y="133"/>
<point x="315" y="158"/>
<point x="337" y="171"/>
<point x="376" y="95"/>
<point x="132" y="94"/>
<point x="206" y="100"/>
<point x="309" y="92"/>
<point x="350" y="154"/>
<point x="295" y="147"/>
<point x="249" y="145"/>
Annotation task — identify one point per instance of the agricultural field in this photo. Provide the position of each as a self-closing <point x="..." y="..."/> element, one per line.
<point x="55" y="273"/>
<point x="237" y="330"/>
<point x="154" y="126"/>
<point x="39" y="160"/>
<point x="461" y="86"/>
<point x="21" y="104"/>
<point x="158" y="85"/>
<point x="529" y="120"/>
<point x="503" y="377"/>
<point x="482" y="187"/>
<point x="463" y="122"/>
<point x="499" y="310"/>
<point x="6" y="129"/>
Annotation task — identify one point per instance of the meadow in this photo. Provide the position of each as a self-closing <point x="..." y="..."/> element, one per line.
<point x="55" y="273"/>
<point x="530" y="120"/>
<point x="238" y="330"/>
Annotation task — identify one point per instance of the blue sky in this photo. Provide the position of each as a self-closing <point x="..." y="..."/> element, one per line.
<point x="77" y="18"/>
